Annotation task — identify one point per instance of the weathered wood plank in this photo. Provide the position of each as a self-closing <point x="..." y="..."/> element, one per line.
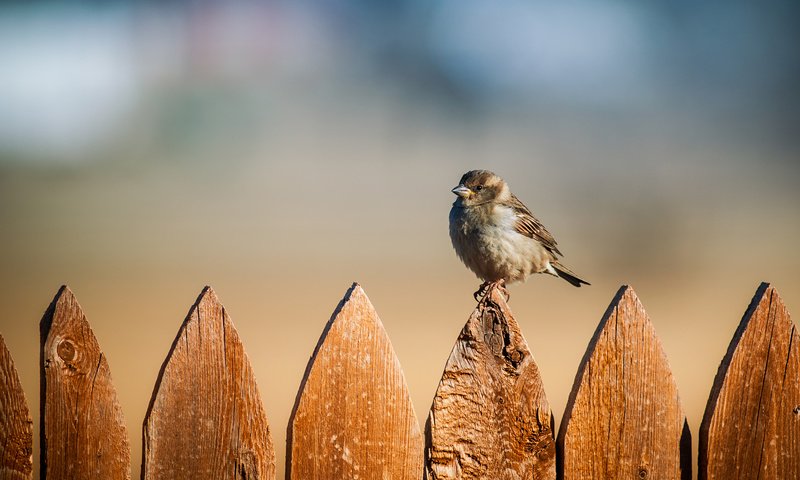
<point x="206" y="419"/>
<point x="490" y="417"/>
<point x="353" y="416"/>
<point x="623" y="417"/>
<point x="84" y="434"/>
<point x="751" y="426"/>
<point x="16" y="426"/>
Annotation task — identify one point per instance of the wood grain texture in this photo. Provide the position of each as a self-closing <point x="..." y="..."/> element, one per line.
<point x="353" y="417"/>
<point x="16" y="426"/>
<point x="623" y="417"/>
<point x="206" y="419"/>
<point x="490" y="417"/>
<point x="751" y="427"/>
<point x="84" y="434"/>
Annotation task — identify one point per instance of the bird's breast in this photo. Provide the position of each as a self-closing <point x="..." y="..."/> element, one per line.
<point x="489" y="245"/>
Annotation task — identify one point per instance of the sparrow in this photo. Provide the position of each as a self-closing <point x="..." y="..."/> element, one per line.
<point x="498" y="238"/>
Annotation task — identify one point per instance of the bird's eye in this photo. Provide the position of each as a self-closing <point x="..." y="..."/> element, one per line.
<point x="479" y="188"/>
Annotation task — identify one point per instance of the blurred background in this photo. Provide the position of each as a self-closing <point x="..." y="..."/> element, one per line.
<point x="280" y="150"/>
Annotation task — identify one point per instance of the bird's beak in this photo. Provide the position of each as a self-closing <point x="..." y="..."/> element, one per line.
<point x="462" y="191"/>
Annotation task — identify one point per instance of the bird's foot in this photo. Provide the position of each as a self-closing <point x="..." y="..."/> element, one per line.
<point x="501" y="284"/>
<point x="486" y="287"/>
<point x="482" y="291"/>
<point x="503" y="290"/>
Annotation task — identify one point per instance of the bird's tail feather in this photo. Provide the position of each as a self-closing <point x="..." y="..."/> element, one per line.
<point x="568" y="275"/>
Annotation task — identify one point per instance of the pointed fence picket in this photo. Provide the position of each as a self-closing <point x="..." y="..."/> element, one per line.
<point x="16" y="426"/>
<point x="206" y="419"/>
<point x="353" y="418"/>
<point x="623" y="417"/>
<point x="490" y="417"/>
<point x="83" y="429"/>
<point x="751" y="427"/>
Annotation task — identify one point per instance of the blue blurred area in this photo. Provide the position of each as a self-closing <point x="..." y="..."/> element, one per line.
<point x="81" y="79"/>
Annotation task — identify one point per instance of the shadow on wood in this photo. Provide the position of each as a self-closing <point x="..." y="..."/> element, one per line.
<point x="83" y="434"/>
<point x="206" y="419"/>
<point x="16" y="426"/>
<point x="353" y="416"/>
<point x="490" y="417"/>
<point x="623" y="417"/>
<point x="751" y="426"/>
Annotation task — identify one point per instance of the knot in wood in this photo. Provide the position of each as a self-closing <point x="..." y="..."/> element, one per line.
<point x="66" y="350"/>
<point x="642" y="472"/>
<point x="796" y="410"/>
<point x="513" y="355"/>
<point x="494" y="330"/>
<point x="497" y="336"/>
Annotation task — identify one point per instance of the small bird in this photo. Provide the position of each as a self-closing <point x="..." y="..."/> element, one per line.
<point x="498" y="238"/>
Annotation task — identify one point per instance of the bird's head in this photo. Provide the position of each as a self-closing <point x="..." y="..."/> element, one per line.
<point x="477" y="187"/>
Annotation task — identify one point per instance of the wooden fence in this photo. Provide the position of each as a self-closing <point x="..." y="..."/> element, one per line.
<point x="353" y="418"/>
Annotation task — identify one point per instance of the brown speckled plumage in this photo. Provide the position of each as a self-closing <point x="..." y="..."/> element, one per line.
<point x="497" y="237"/>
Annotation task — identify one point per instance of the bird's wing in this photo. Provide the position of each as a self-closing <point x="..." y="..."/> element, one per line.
<point x="529" y="226"/>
